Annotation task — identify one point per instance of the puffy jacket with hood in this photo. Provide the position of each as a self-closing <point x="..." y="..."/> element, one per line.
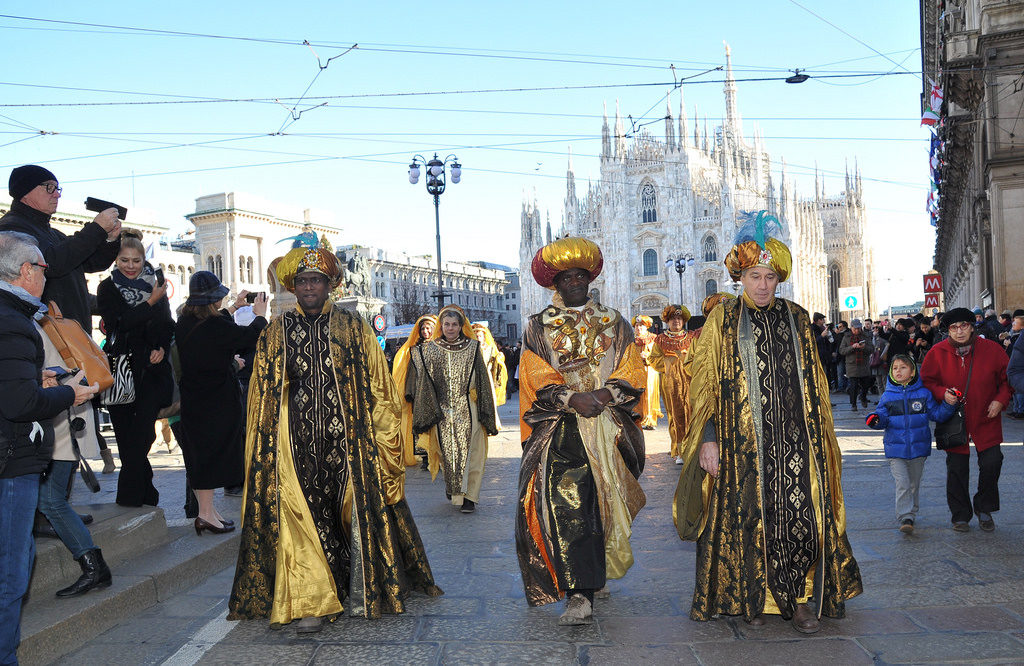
<point x="904" y="411"/>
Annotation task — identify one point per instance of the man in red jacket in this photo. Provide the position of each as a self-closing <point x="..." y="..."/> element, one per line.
<point x="948" y="365"/>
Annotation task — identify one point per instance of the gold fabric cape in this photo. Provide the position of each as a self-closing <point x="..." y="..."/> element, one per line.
<point x="650" y="402"/>
<point x="669" y="360"/>
<point x="716" y="513"/>
<point x="400" y="372"/>
<point x="586" y="469"/>
<point x="282" y="573"/>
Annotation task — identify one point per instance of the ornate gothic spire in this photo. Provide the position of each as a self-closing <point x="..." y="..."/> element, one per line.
<point x="606" y="139"/>
<point x="682" y="119"/>
<point x="620" y="134"/>
<point x="732" y="114"/>
<point x="670" y="131"/>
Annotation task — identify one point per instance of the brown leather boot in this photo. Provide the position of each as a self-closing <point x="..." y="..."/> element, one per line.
<point x="804" y="620"/>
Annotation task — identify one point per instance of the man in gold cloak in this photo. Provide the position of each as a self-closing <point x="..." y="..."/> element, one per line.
<point x="403" y="371"/>
<point x="494" y="359"/>
<point x="325" y="524"/>
<point x="760" y="488"/>
<point x="454" y="398"/>
<point x="650" y="401"/>
<point x="667" y="357"/>
<point x="580" y="380"/>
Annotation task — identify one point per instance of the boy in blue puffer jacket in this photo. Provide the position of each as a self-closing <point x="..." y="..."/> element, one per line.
<point x="903" y="411"/>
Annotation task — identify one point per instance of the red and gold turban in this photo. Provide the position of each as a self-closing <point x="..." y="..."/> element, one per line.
<point x="675" y="311"/>
<point x="308" y="260"/>
<point x="563" y="254"/>
<point x="754" y="248"/>
<point x="643" y="320"/>
<point x="714" y="299"/>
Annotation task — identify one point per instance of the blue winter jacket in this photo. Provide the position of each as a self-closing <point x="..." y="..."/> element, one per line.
<point x="904" y="412"/>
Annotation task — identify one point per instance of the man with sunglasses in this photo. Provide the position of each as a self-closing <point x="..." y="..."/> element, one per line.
<point x="35" y="193"/>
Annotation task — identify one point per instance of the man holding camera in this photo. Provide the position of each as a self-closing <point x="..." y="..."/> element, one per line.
<point x="35" y="192"/>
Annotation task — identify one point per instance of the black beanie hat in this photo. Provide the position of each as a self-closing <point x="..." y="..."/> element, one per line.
<point x="956" y="315"/>
<point x="24" y="178"/>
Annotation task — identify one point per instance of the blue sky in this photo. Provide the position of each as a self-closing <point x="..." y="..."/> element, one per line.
<point x="350" y="156"/>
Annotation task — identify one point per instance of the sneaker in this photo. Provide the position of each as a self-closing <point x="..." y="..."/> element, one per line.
<point x="468" y="506"/>
<point x="986" y="523"/>
<point x="679" y="460"/>
<point x="961" y="526"/>
<point x="907" y="526"/>
<point x="578" y="610"/>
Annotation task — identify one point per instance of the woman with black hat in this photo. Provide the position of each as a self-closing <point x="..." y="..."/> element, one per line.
<point x="212" y="405"/>
<point x="137" y="319"/>
<point x="975" y="367"/>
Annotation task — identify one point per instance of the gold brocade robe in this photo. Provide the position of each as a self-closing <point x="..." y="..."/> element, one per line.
<point x="765" y="411"/>
<point x="401" y="370"/>
<point x="650" y="401"/>
<point x="578" y="481"/>
<point x="282" y="572"/>
<point x="668" y="357"/>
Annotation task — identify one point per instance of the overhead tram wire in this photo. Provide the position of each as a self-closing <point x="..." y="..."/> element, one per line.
<point x="422" y="93"/>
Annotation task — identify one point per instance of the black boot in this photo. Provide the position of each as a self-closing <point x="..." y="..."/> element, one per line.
<point x="95" y="573"/>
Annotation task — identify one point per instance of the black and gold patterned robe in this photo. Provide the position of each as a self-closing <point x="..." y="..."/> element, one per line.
<point x="771" y="529"/>
<point x="310" y="538"/>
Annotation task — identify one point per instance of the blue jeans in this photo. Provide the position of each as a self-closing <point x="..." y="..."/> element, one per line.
<point x="52" y="503"/>
<point x="1017" y="403"/>
<point x="18" y="498"/>
<point x="841" y="382"/>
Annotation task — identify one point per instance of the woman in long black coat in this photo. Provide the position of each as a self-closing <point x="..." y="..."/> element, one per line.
<point x="212" y="405"/>
<point x="137" y="320"/>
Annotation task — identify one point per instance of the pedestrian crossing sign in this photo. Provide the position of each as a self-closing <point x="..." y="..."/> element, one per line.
<point x="850" y="298"/>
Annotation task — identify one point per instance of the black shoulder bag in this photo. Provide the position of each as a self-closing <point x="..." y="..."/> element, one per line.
<point x="953" y="433"/>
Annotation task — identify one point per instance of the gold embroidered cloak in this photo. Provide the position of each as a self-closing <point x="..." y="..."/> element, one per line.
<point x="650" y="402"/>
<point x="668" y="357"/>
<point x="578" y="480"/>
<point x="735" y="389"/>
<point x="282" y="573"/>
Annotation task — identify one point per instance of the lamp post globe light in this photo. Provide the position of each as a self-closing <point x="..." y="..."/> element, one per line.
<point x="436" y="173"/>
<point x="680" y="262"/>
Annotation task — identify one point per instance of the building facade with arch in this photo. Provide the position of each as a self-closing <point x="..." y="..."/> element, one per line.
<point x="682" y="195"/>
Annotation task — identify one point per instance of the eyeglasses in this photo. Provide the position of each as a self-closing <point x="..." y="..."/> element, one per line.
<point x="51" y="188"/>
<point x="960" y="326"/>
<point x="311" y="280"/>
<point x="39" y="264"/>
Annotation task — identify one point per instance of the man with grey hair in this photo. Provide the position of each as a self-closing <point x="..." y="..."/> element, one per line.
<point x="29" y="399"/>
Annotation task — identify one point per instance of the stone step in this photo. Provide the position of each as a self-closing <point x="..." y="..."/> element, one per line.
<point x="120" y="532"/>
<point x="143" y="577"/>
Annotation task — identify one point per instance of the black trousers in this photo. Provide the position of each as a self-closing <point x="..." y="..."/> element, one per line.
<point x="134" y="430"/>
<point x="958" y="477"/>
<point x="859" y="386"/>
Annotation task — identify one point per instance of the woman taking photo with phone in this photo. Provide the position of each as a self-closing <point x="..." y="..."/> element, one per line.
<point x="137" y="319"/>
<point x="212" y="404"/>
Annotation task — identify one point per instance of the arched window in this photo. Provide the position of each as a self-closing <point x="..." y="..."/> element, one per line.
<point x="248" y="269"/>
<point x="710" y="248"/>
<point x="210" y="265"/>
<point x="834" y="277"/>
<point x="241" y="268"/>
<point x="710" y="287"/>
<point x="648" y="203"/>
<point x="650" y="262"/>
<point x="220" y="268"/>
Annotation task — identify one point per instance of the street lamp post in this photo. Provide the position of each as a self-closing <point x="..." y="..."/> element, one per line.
<point x="680" y="262"/>
<point x="435" y="187"/>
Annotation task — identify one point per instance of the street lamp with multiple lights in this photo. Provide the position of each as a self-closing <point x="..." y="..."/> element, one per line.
<point x="680" y="262"/>
<point x="435" y="187"/>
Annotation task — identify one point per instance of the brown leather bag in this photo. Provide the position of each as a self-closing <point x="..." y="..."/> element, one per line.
<point x="76" y="347"/>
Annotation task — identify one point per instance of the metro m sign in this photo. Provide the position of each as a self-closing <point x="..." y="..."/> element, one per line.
<point x="931" y="300"/>
<point x="932" y="283"/>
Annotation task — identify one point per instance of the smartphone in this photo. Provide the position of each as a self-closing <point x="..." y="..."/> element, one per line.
<point x="251" y="297"/>
<point x="62" y="373"/>
<point x="99" y="205"/>
<point x="159" y="273"/>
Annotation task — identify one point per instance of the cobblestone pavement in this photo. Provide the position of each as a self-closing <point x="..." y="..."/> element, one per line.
<point x="936" y="596"/>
